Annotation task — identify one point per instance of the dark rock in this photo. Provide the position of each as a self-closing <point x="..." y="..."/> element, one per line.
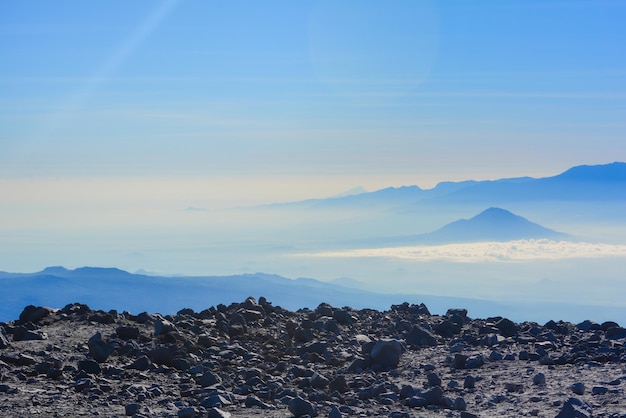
<point x="343" y="317"/>
<point x="416" y="402"/>
<point x="4" y="338"/>
<point x="254" y="401"/>
<point x="339" y="384"/>
<point x="131" y="409"/>
<point x="434" y="396"/>
<point x="475" y="362"/>
<point x="162" y="326"/>
<point x="460" y="360"/>
<point x="616" y="333"/>
<point x="21" y="333"/>
<point x="386" y="353"/>
<point x="433" y="379"/>
<point x="575" y="408"/>
<point x="318" y="381"/>
<point x="300" y="407"/>
<point x="578" y="388"/>
<point x="127" y="333"/>
<point x="99" y="349"/>
<point x="539" y="379"/>
<point x="89" y="366"/>
<point x="142" y="363"/>
<point x="335" y="412"/>
<point x="599" y="390"/>
<point x="83" y="384"/>
<point x="469" y="382"/>
<point x="468" y="415"/>
<point x="513" y="387"/>
<point x="33" y="314"/>
<point x="420" y="337"/>
<point x="218" y="413"/>
<point x="189" y="412"/>
<point x="507" y="327"/>
<point x="209" y="379"/>
<point x="447" y="328"/>
<point x="459" y="404"/>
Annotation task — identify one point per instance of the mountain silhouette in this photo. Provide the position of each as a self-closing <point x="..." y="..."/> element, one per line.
<point x="585" y="183"/>
<point x="493" y="224"/>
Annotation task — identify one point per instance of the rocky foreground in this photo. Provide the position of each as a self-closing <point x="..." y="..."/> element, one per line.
<point x="256" y="359"/>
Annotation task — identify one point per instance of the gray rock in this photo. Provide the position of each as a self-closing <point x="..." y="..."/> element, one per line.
<point x="507" y="327"/>
<point x="4" y="339"/>
<point x="459" y="404"/>
<point x="575" y="408"/>
<point x="131" y="409"/>
<point x="434" y="396"/>
<point x="189" y="412"/>
<point x="162" y="326"/>
<point x="335" y="412"/>
<point x="300" y="407"/>
<point x="89" y="366"/>
<point x="142" y="363"/>
<point x="433" y="379"/>
<point x="420" y="337"/>
<point x="218" y="413"/>
<point x="23" y="334"/>
<point x="386" y="353"/>
<point x="209" y="379"/>
<point x="318" y="381"/>
<point x="99" y="349"/>
<point x="578" y="388"/>
<point x="539" y="379"/>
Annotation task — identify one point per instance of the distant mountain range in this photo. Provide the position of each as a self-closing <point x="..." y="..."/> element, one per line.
<point x="111" y="288"/>
<point x="582" y="183"/>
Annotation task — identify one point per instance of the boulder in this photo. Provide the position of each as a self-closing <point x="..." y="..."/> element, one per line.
<point x="575" y="408"/>
<point x="507" y="327"/>
<point x="420" y="337"/>
<point x="300" y="407"/>
<point x="33" y="314"/>
<point x="100" y="350"/>
<point x="386" y="353"/>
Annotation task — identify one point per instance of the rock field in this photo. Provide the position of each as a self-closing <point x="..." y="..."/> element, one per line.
<point x="253" y="359"/>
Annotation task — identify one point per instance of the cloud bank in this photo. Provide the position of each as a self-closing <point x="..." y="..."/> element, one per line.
<point x="518" y="250"/>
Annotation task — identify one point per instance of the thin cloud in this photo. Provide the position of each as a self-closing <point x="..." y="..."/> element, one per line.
<point x="519" y="250"/>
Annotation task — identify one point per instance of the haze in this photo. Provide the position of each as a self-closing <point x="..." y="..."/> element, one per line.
<point x="129" y="132"/>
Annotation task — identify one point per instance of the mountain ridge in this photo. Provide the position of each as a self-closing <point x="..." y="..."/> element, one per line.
<point x="601" y="182"/>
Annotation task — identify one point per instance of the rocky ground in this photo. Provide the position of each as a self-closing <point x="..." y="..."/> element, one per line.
<point x="255" y="359"/>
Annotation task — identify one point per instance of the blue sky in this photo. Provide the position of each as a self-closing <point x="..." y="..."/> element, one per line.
<point x="309" y="97"/>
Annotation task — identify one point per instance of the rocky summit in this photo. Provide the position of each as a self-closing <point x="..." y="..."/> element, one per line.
<point x="255" y="359"/>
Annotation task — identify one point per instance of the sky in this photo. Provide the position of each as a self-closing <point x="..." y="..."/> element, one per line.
<point x="281" y="100"/>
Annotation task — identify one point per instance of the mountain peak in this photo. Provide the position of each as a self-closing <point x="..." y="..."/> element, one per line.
<point x="492" y="224"/>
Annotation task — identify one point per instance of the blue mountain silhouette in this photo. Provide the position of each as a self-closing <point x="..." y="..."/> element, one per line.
<point x="493" y="224"/>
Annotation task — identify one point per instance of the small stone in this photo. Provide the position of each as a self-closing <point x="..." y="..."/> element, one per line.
<point x="459" y="404"/>
<point x="131" y="409"/>
<point x="218" y="413"/>
<point x="599" y="390"/>
<point x="433" y="379"/>
<point x="539" y="379"/>
<point x="578" y="388"/>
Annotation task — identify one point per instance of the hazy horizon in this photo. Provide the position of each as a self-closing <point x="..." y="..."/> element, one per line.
<point x="130" y="130"/>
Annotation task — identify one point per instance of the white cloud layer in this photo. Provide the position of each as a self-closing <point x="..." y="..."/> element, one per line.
<point x="519" y="250"/>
